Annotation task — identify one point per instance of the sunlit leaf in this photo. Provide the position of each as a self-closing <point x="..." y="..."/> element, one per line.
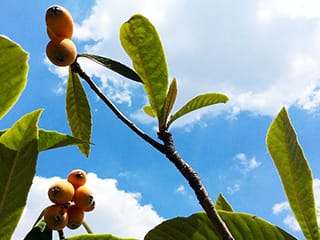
<point x="78" y="112"/>
<point x="53" y="139"/>
<point x="13" y="73"/>
<point x="18" y="156"/>
<point x="222" y="204"/>
<point x="294" y="171"/>
<point x="114" y="66"/>
<point x="198" y="102"/>
<point x="149" y="111"/>
<point x="141" y="41"/>
<point x="199" y="227"/>
<point x="97" y="237"/>
<point x="170" y="100"/>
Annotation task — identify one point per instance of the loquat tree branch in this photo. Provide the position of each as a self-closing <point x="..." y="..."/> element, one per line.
<point x="168" y="149"/>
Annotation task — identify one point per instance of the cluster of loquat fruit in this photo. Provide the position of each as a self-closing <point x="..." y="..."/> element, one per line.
<point x="60" y="50"/>
<point x="71" y="199"/>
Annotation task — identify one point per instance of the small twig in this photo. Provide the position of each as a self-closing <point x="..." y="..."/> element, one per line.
<point x="61" y="235"/>
<point x="76" y="68"/>
<point x="87" y="228"/>
<point x="170" y="152"/>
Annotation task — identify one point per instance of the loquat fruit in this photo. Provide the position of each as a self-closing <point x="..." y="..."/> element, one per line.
<point x="75" y="217"/>
<point x="56" y="217"/>
<point x="59" y="22"/>
<point x="83" y="198"/>
<point x="77" y="178"/>
<point x="61" y="52"/>
<point x="61" y="192"/>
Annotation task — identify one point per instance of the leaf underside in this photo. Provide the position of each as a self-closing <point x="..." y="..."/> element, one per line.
<point x="199" y="227"/>
<point x="294" y="171"/>
<point x="114" y="66"/>
<point x="13" y="73"/>
<point x="97" y="237"/>
<point x="197" y="103"/>
<point x="18" y="157"/>
<point x="78" y="112"/>
<point x="141" y="41"/>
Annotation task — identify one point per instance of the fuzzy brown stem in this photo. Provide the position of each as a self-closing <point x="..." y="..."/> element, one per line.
<point x="195" y="183"/>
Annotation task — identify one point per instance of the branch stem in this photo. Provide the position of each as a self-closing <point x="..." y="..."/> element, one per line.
<point x="195" y="183"/>
<point x="170" y="152"/>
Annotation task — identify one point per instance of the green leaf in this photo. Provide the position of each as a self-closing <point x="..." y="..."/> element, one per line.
<point x="222" y="204"/>
<point x="39" y="232"/>
<point x="198" y="102"/>
<point x="170" y="100"/>
<point x="114" y="66"/>
<point x="149" y="111"/>
<point x="141" y="41"/>
<point x="18" y="156"/>
<point x="294" y="171"/>
<point x="78" y="112"/>
<point x="97" y="237"/>
<point x="53" y="139"/>
<point x="13" y="73"/>
<point x="199" y="227"/>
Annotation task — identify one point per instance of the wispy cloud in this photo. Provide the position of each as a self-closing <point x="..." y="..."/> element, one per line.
<point x="280" y="207"/>
<point x="246" y="164"/>
<point x="181" y="189"/>
<point x="233" y="189"/>
<point x="117" y="212"/>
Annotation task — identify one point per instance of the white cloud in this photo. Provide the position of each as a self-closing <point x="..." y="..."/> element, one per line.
<point x="246" y="164"/>
<point x="233" y="189"/>
<point x="263" y="55"/>
<point x="291" y="223"/>
<point x="284" y="207"/>
<point x="181" y="189"/>
<point x="280" y="207"/>
<point x="117" y="212"/>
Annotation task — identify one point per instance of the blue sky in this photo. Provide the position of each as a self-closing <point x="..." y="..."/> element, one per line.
<point x="262" y="54"/>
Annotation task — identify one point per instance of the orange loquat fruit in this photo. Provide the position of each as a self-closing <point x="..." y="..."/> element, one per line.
<point x="61" y="52"/>
<point x="59" y="22"/>
<point x="61" y="192"/>
<point x="83" y="198"/>
<point x="56" y="217"/>
<point x="77" y="177"/>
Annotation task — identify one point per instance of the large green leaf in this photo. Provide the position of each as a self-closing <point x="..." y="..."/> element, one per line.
<point x="13" y="73"/>
<point x="294" y="172"/>
<point x="78" y="112"/>
<point x="53" y="139"/>
<point x="18" y="156"/>
<point x="114" y="66"/>
<point x="141" y="41"/>
<point x="198" y="102"/>
<point x="97" y="237"/>
<point x="199" y="227"/>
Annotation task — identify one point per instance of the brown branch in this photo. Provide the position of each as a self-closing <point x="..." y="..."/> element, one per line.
<point x="169" y="151"/>
<point x="195" y="183"/>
